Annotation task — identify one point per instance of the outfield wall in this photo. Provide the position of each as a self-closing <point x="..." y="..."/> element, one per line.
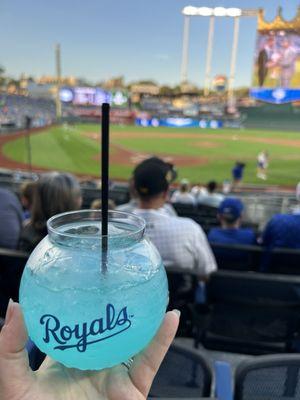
<point x="268" y="116"/>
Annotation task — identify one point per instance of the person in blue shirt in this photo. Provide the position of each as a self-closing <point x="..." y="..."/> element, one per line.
<point x="230" y="216"/>
<point x="230" y="232"/>
<point x="237" y="174"/>
<point x="283" y="230"/>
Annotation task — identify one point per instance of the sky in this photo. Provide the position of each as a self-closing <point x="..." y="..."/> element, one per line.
<point x="139" y="39"/>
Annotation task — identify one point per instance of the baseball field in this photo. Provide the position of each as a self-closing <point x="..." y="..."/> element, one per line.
<point x="199" y="154"/>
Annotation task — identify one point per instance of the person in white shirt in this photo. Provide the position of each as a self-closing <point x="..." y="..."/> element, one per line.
<point x="287" y="63"/>
<point x="211" y="198"/>
<point x="198" y="190"/>
<point x="262" y="164"/>
<point x="180" y="241"/>
<point x="183" y="195"/>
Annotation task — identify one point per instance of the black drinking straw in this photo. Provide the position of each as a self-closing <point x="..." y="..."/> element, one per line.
<point x="104" y="182"/>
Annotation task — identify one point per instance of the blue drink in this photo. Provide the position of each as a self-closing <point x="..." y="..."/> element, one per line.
<point x="77" y="314"/>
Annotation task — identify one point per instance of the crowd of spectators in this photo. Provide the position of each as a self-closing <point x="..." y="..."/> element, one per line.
<point x="180" y="241"/>
<point x="183" y="243"/>
<point x="197" y="194"/>
<point x="24" y="221"/>
<point x="183" y="194"/>
<point x="15" y="108"/>
<point x="210" y="196"/>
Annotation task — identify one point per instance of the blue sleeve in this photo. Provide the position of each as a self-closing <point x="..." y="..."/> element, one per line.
<point x="213" y="235"/>
<point x="253" y="237"/>
<point x="267" y="236"/>
<point x="210" y="235"/>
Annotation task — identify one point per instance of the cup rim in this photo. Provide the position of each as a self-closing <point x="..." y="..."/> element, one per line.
<point x="141" y="225"/>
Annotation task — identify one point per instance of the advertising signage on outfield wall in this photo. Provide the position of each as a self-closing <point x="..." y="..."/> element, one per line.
<point x="93" y="96"/>
<point x="177" y="122"/>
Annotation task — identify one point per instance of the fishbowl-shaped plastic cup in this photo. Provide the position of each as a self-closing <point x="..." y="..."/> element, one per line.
<point x="83" y="313"/>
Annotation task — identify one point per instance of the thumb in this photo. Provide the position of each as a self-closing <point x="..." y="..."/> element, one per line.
<point x="14" y="365"/>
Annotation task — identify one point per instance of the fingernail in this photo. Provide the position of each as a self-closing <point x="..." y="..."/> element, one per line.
<point x="9" y="312"/>
<point x="177" y="312"/>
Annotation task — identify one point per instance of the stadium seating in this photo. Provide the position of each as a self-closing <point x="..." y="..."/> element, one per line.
<point x="119" y="194"/>
<point x="273" y="377"/>
<point x="185" y="209"/>
<point x="223" y="380"/>
<point x="282" y="261"/>
<point x="182" y="290"/>
<point x="89" y="195"/>
<point x="206" y="216"/>
<point x="237" y="257"/>
<point x="18" y="107"/>
<point x="260" y="208"/>
<point x="250" y="313"/>
<point x="184" y="374"/>
<point x="12" y="263"/>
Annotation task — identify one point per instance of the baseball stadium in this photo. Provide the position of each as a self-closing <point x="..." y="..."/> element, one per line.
<point x="150" y="232"/>
<point x="199" y="135"/>
<point x="197" y="152"/>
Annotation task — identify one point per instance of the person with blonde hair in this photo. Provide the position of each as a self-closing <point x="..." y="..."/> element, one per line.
<point x="97" y="204"/>
<point x="183" y="194"/>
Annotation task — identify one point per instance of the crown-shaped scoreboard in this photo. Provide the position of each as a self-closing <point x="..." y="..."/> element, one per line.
<point x="278" y="23"/>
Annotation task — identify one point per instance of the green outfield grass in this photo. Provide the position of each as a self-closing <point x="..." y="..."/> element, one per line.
<point x="69" y="149"/>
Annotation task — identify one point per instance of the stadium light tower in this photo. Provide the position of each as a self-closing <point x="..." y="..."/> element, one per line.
<point x="233" y="60"/>
<point x="185" y="48"/>
<point x="235" y="13"/>
<point x="58" y="80"/>
<point x="209" y="55"/>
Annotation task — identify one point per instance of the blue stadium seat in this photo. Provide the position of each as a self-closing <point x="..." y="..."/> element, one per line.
<point x="183" y="374"/>
<point x="281" y="261"/>
<point x="182" y="291"/>
<point x="236" y="257"/>
<point x="251" y="313"/>
<point x="274" y="377"/>
<point x="223" y="389"/>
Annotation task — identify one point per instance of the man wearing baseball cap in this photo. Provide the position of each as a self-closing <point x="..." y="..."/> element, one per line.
<point x="230" y="232"/>
<point x="180" y="241"/>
